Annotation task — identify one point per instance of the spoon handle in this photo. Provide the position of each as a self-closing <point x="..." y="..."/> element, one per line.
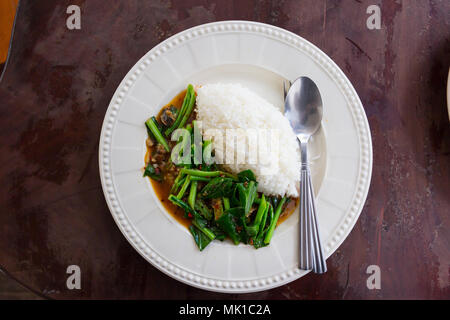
<point x="306" y="254"/>
<point x="311" y="252"/>
<point x="320" y="264"/>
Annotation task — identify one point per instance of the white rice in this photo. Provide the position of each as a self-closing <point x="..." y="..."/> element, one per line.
<point x="231" y="106"/>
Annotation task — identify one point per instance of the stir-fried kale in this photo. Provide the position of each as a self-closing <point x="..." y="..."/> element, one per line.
<point x="218" y="203"/>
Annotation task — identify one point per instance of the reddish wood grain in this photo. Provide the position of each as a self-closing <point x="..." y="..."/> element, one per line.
<point x="57" y="86"/>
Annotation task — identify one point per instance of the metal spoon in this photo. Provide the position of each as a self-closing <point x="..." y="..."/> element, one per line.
<point x="303" y="108"/>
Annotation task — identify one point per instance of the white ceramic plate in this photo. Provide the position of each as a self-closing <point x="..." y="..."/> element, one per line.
<point x="258" y="56"/>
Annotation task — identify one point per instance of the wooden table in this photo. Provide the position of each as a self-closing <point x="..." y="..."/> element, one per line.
<point x="57" y="86"/>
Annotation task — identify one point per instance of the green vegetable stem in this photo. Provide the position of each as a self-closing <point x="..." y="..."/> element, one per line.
<point x="192" y="194"/>
<point x="254" y="229"/>
<point x="274" y="221"/>
<point x="153" y="127"/>
<point x="185" y="111"/>
<point x="184" y="187"/>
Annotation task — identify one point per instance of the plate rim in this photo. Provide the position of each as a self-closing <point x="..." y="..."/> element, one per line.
<point x="321" y="59"/>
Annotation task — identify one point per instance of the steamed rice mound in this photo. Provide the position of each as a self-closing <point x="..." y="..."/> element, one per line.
<point x="232" y="106"/>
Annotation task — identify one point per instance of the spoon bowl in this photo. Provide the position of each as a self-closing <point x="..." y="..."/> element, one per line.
<point x="303" y="107"/>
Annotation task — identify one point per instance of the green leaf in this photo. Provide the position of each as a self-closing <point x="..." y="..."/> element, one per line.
<point x="246" y="176"/>
<point x="217" y="188"/>
<point x="247" y="195"/>
<point x="203" y="209"/>
<point x="220" y="235"/>
<point x="200" y="238"/>
<point x="238" y="215"/>
<point x="237" y="212"/>
<point x="228" y="224"/>
<point x="200" y="221"/>
<point x="151" y="172"/>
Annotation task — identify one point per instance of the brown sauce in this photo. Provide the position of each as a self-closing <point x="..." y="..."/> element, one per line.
<point x="288" y="210"/>
<point x="162" y="189"/>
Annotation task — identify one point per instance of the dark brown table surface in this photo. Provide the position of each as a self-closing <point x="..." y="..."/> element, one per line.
<point x="58" y="83"/>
